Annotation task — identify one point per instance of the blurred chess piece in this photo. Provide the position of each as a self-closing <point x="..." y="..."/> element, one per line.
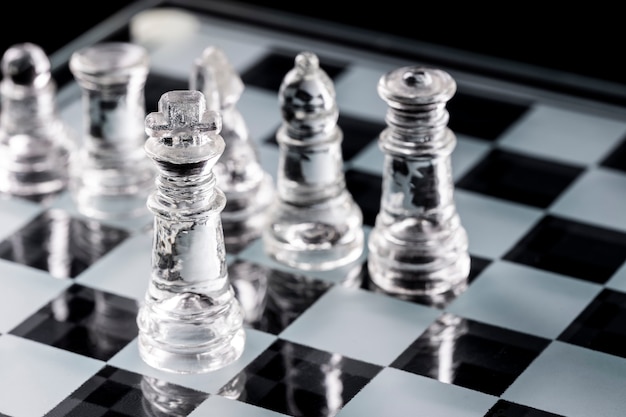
<point x="35" y="143"/>
<point x="248" y="188"/>
<point x="418" y="245"/>
<point x="111" y="175"/>
<point x="190" y="321"/>
<point x="314" y="224"/>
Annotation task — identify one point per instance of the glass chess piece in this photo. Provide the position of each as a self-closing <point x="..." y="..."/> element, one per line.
<point x="111" y="176"/>
<point x="190" y="321"/>
<point x="248" y="188"/>
<point x="314" y="224"/>
<point x="418" y="245"/>
<point x="35" y="143"/>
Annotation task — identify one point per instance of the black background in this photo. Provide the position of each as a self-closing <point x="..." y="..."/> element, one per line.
<point x="585" y="38"/>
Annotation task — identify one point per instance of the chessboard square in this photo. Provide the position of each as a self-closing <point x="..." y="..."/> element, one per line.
<point x="60" y="244"/>
<point x="366" y="189"/>
<point x="125" y="270"/>
<point x="220" y="406"/>
<point x="159" y="84"/>
<point x="519" y="178"/>
<point x="415" y="395"/>
<point x="15" y="214"/>
<point x="272" y="299"/>
<point x="508" y="221"/>
<point x="17" y="280"/>
<point x="597" y="197"/>
<point x="616" y="158"/>
<point x="357" y="92"/>
<point x="572" y="248"/>
<point x="524" y="299"/>
<point x="84" y="321"/>
<point x="509" y="409"/>
<point x="270" y="70"/>
<point x="602" y="325"/>
<point x="299" y="380"/>
<point x="574" y="381"/>
<point x="483" y="357"/>
<point x="360" y="324"/>
<point x="564" y="135"/>
<point x="37" y="371"/>
<point x="481" y="116"/>
<point x="210" y="382"/>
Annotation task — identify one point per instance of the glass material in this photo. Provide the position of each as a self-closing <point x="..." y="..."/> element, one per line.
<point x="248" y="189"/>
<point x="111" y="175"/>
<point x="190" y="321"/>
<point x="35" y="144"/>
<point x="314" y="224"/>
<point x="418" y="244"/>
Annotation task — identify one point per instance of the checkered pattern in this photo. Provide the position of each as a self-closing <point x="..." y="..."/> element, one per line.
<point x="538" y="332"/>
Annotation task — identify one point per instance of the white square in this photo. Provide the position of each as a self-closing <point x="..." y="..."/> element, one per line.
<point x="565" y="135"/>
<point x="36" y="377"/>
<point x="220" y="406"/>
<point x="524" y="299"/>
<point x="24" y="291"/>
<point x="16" y="213"/>
<point x="493" y="226"/>
<point x="598" y="196"/>
<point x="414" y="395"/>
<point x="572" y="381"/>
<point x="360" y="324"/>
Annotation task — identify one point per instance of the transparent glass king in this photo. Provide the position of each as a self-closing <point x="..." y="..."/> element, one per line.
<point x="190" y="321"/>
<point x="418" y="245"/>
<point x="111" y="174"/>
<point x="314" y="223"/>
<point x="35" y="143"/>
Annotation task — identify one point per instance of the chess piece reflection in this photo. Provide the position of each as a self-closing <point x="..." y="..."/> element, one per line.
<point x="418" y="244"/>
<point x="111" y="176"/>
<point x="314" y="224"/>
<point x="248" y="188"/>
<point x="35" y="143"/>
<point x="164" y="399"/>
<point x="190" y="321"/>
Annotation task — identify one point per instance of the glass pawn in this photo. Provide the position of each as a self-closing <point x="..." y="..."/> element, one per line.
<point x="418" y="245"/>
<point x="111" y="174"/>
<point x="248" y="188"/>
<point x="190" y="321"/>
<point x="314" y="224"/>
<point x="35" y="143"/>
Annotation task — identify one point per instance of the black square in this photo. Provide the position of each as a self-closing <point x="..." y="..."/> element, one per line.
<point x="82" y="320"/>
<point x="616" y="159"/>
<point x="564" y="246"/>
<point x="273" y="299"/>
<point x="503" y="408"/>
<point x="268" y="73"/>
<point x="366" y="189"/>
<point x="157" y="85"/>
<point x="602" y="325"/>
<point x="482" y="117"/>
<point x="482" y="357"/>
<point x="299" y="381"/>
<point x="116" y="392"/>
<point x="60" y="244"/>
<point x="519" y="178"/>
